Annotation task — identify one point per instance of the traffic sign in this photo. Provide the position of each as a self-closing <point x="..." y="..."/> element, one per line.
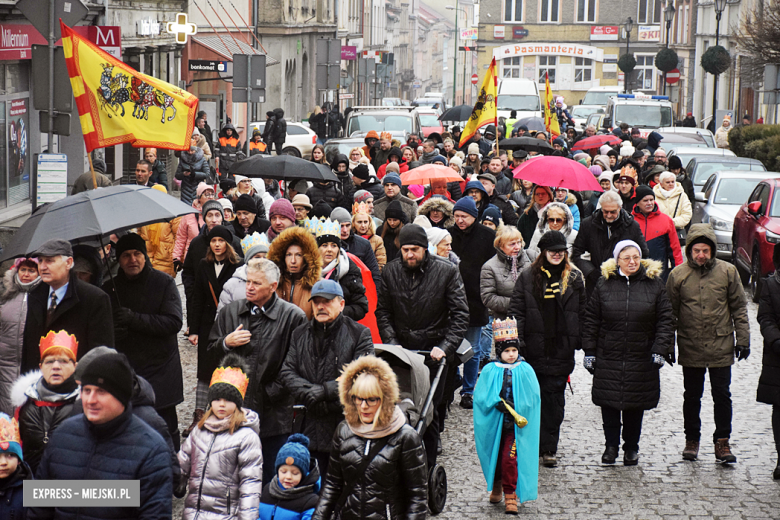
<point x="468" y="48"/>
<point x="673" y="76"/>
<point x="474" y="79"/>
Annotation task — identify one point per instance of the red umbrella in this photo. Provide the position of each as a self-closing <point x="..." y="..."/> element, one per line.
<point x="427" y="172"/>
<point x="596" y="141"/>
<point x="557" y="172"/>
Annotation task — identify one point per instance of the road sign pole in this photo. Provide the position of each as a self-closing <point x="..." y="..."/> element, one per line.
<point x="50" y="144"/>
<point x="248" y="102"/>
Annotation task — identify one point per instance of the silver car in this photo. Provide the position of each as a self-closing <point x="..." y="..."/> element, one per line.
<point x="720" y="199"/>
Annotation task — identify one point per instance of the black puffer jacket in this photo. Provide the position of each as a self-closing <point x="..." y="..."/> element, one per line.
<point x="526" y="308"/>
<point x="351" y="283"/>
<point x="626" y="321"/>
<point x="423" y="308"/>
<point x="317" y="354"/>
<point x="330" y="193"/>
<point x="474" y="246"/>
<point x="280" y="128"/>
<point x="195" y="163"/>
<point x="361" y="248"/>
<point x="599" y="239"/>
<point x="769" y="318"/>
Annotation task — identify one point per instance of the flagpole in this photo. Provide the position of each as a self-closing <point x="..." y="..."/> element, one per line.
<point x="92" y="169"/>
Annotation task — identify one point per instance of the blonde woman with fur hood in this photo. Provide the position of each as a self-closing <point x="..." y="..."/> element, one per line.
<point x="438" y="211"/>
<point x="394" y="483"/>
<point x="563" y="221"/>
<point x="296" y="255"/>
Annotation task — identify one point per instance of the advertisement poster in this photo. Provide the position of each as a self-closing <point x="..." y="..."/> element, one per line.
<point x="18" y="160"/>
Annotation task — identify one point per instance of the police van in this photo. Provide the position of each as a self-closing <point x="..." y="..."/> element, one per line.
<point x="640" y="111"/>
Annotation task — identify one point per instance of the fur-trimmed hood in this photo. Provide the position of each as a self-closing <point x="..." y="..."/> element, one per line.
<point x="567" y="227"/>
<point x="653" y="268"/>
<point x="387" y="382"/>
<point x="437" y="203"/>
<point x="311" y="253"/>
<point x="11" y="288"/>
<point x="20" y="387"/>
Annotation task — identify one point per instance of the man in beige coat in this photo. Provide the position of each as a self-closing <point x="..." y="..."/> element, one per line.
<point x="709" y="308"/>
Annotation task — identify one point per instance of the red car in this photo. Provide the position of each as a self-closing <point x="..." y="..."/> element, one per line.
<point x="756" y="231"/>
<point x="429" y="121"/>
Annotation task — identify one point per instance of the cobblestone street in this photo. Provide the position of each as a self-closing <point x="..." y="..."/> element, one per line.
<point x="662" y="486"/>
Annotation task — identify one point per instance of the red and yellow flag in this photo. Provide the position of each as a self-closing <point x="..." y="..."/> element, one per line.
<point x="550" y="117"/>
<point x="118" y="104"/>
<point x="484" y="111"/>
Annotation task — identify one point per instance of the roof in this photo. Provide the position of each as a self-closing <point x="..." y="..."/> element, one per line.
<point x="225" y="46"/>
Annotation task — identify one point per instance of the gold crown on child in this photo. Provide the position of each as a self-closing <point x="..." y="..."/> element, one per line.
<point x="505" y="330"/>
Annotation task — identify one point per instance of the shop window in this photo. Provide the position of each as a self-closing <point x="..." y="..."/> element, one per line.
<point x="649" y="12"/>
<point x="17" y="78"/>
<point x="513" y="10"/>
<point x="547" y="65"/>
<point x="549" y="11"/>
<point x="512" y="67"/>
<point x="583" y="70"/>
<point x="645" y="71"/>
<point x="586" y="10"/>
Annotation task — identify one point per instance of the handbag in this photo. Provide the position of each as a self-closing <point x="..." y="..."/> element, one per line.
<point x="682" y="233"/>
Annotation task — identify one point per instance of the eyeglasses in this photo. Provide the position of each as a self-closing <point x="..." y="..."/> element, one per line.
<point x="556" y="253"/>
<point x="630" y="259"/>
<point x="370" y="401"/>
<point x="606" y="212"/>
<point x="555" y="220"/>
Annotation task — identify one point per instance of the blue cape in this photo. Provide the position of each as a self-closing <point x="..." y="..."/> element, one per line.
<point x="488" y="422"/>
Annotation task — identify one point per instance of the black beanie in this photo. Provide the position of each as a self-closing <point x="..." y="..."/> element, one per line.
<point x="674" y="162"/>
<point x="361" y="172"/>
<point x="642" y="191"/>
<point x="321" y="209"/>
<point x="552" y="241"/>
<point x="227" y="185"/>
<point x="113" y="374"/>
<point x="128" y="242"/>
<point x="395" y="210"/>
<point x="245" y="203"/>
<point x="219" y="388"/>
<point x="221" y="232"/>
<point x="413" y="235"/>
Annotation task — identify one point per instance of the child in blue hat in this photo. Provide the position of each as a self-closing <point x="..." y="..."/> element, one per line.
<point x="13" y="469"/>
<point x="292" y="494"/>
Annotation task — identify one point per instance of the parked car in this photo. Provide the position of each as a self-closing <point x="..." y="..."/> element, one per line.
<point x="756" y="231"/>
<point x="699" y="134"/>
<point x="580" y="115"/>
<point x="700" y="167"/>
<point x="429" y="120"/>
<point x="343" y="145"/>
<point x="720" y="200"/>
<point x="431" y="103"/>
<point x="400" y="119"/>
<point x="300" y="139"/>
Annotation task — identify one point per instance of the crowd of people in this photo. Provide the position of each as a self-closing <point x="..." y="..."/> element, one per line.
<point x="288" y="287"/>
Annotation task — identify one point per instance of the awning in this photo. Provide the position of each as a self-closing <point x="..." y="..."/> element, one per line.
<point x="226" y="47"/>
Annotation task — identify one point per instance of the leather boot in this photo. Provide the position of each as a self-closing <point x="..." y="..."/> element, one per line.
<point x="197" y="415"/>
<point x="510" y="504"/>
<point x="723" y="452"/>
<point x="776" y="472"/>
<point x="691" y="451"/>
<point x="496" y="494"/>
<point x="610" y="454"/>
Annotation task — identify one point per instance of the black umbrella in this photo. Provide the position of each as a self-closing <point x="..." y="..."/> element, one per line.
<point x="529" y="144"/>
<point x="532" y="123"/>
<point x="94" y="214"/>
<point x="458" y="113"/>
<point x="282" y="167"/>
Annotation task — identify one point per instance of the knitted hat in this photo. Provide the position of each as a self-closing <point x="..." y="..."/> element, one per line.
<point x="552" y="241"/>
<point x="392" y="167"/>
<point x="623" y="244"/>
<point x="395" y="210"/>
<point x="457" y="161"/>
<point x="362" y="196"/>
<point x="226" y="204"/>
<point x="284" y="208"/>
<point x="221" y="232"/>
<point x="492" y="214"/>
<point x="301" y="200"/>
<point x="467" y="205"/>
<point x="90" y="356"/>
<point x="435" y="235"/>
<point x="627" y="149"/>
<point x="213" y="204"/>
<point x="439" y="158"/>
<point x="246" y="203"/>
<point x="295" y="453"/>
<point x="113" y="374"/>
<point x="559" y="142"/>
<point x="341" y="215"/>
<point x="596" y="170"/>
<point x="473" y="149"/>
<point x="361" y="172"/>
<point x="10" y="440"/>
<point x="321" y="209"/>
<point x="674" y="162"/>
<point x="423" y="221"/>
<point x="227" y="185"/>
<point x="413" y="235"/>
<point x="229" y="381"/>
<point x="604" y="149"/>
<point x="201" y="188"/>
<point x="642" y="191"/>
<point x="128" y="242"/>
<point x="299" y="186"/>
<point x="392" y="178"/>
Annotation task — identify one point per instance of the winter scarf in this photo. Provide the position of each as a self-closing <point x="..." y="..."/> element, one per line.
<point x="552" y="310"/>
<point x="217" y="425"/>
<point x="278" y="492"/>
<point x="16" y="286"/>
<point x="339" y="266"/>
<point x="55" y="393"/>
<point x="427" y="158"/>
<point x="367" y="431"/>
<point x="191" y="158"/>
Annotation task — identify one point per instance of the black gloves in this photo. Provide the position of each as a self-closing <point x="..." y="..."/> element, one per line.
<point x="742" y="352"/>
<point x="315" y="394"/>
<point x="123" y="316"/>
<point x="501" y="407"/>
<point x="177" y="265"/>
<point x="669" y="357"/>
<point x="589" y="363"/>
<point x="181" y="487"/>
<point x="658" y="361"/>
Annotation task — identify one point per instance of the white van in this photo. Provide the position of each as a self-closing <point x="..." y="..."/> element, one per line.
<point x="518" y="94"/>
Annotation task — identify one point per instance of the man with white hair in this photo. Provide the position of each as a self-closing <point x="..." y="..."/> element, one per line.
<point x="600" y="233"/>
<point x="259" y="329"/>
<point x="63" y="302"/>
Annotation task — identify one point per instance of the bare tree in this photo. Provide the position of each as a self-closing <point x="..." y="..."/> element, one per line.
<point x="758" y="36"/>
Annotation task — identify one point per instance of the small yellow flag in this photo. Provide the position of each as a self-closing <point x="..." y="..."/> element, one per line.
<point x="484" y="111"/>
<point x="550" y="117"/>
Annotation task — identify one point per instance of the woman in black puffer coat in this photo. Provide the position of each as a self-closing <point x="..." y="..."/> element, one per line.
<point x="627" y="335"/>
<point x="394" y="483"/>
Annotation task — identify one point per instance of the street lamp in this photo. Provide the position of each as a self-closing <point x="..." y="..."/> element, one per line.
<point x="669" y="17"/>
<point x="455" y="56"/>
<point x="466" y="15"/>
<point x="627" y="26"/>
<point x="720" y="6"/>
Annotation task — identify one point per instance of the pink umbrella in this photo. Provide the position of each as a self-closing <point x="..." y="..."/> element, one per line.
<point x="557" y="172"/>
<point x="427" y="172"/>
<point x="596" y="141"/>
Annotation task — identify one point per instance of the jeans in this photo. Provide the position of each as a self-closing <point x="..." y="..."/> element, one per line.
<point x="632" y="427"/>
<point x="720" y="381"/>
<point x="552" y="391"/>
<point x="471" y="368"/>
<point x="486" y="339"/>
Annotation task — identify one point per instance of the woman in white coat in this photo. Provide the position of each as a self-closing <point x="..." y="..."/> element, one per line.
<point x="672" y="200"/>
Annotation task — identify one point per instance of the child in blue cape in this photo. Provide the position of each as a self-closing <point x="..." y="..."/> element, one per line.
<point x="292" y="494"/>
<point x="507" y="447"/>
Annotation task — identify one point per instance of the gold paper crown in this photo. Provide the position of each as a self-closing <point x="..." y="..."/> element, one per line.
<point x="328" y="227"/>
<point x="310" y="225"/>
<point x="505" y="330"/>
<point x="359" y="207"/>
<point x="9" y="431"/>
<point x="61" y="340"/>
<point x="255" y="239"/>
<point x="232" y="376"/>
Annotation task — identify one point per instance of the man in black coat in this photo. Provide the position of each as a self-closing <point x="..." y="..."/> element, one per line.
<point x="63" y="302"/>
<point x="422" y="305"/>
<point x="358" y="246"/>
<point x="247" y="220"/>
<point x="473" y="243"/>
<point x="147" y="318"/>
<point x="330" y="192"/>
<point x="318" y="351"/>
<point x="365" y="181"/>
<point x="279" y="134"/>
<point x="600" y="233"/>
<point x="488" y="180"/>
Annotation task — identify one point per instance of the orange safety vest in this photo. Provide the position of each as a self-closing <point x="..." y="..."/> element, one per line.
<point x="261" y="146"/>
